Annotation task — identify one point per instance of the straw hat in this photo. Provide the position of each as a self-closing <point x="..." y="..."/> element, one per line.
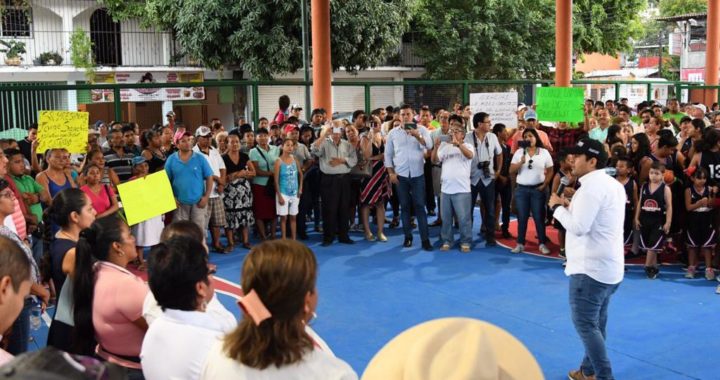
<point x="454" y="349"/>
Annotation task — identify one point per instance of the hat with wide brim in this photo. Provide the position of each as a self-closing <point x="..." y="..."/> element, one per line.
<point x="454" y="349"/>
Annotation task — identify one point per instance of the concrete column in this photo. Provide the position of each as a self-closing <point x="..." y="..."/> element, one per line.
<point x="322" y="68"/>
<point x="712" y="50"/>
<point x="72" y="104"/>
<point x="563" y="43"/>
<point x="167" y="106"/>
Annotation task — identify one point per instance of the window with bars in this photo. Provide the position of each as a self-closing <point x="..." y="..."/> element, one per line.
<point x="16" y="18"/>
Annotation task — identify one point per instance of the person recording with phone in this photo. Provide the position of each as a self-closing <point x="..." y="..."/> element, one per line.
<point x="337" y="157"/>
<point x="483" y="174"/>
<point x="534" y="168"/>
<point x="405" y="159"/>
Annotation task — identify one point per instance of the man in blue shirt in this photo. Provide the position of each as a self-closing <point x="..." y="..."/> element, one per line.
<point x="405" y="160"/>
<point x="191" y="178"/>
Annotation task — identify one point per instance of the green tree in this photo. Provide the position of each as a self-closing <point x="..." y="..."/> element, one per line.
<point x="681" y="7"/>
<point x="514" y="38"/>
<point x="263" y="37"/>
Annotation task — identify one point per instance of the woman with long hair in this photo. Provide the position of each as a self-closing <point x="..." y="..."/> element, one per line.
<point x="376" y="189"/>
<point x="72" y="211"/>
<point x="263" y="157"/>
<point x="640" y="152"/>
<point x="95" y="157"/>
<point x="102" y="196"/>
<point x="152" y="151"/>
<point x="271" y="341"/>
<point x="108" y="298"/>
<point x="534" y="168"/>
<point x="55" y="178"/>
<point x="238" y="199"/>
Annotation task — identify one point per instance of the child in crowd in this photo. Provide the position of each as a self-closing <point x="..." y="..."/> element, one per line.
<point x="700" y="231"/>
<point x="653" y="215"/>
<point x="288" y="185"/>
<point x="147" y="233"/>
<point x="623" y="165"/>
<point x="566" y="164"/>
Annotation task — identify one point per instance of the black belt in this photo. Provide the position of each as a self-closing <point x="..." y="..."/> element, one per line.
<point x="336" y="175"/>
<point x="538" y="185"/>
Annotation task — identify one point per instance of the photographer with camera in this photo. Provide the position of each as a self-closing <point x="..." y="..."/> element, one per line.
<point x="534" y="168"/>
<point x="482" y="176"/>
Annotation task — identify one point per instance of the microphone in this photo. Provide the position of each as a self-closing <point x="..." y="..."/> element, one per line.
<point x="564" y="181"/>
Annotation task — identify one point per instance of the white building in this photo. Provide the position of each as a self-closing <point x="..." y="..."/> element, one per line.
<point x="124" y="52"/>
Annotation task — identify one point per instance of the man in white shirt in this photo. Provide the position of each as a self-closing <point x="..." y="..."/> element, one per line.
<point x="456" y="156"/>
<point x="595" y="258"/>
<point x="216" y="209"/>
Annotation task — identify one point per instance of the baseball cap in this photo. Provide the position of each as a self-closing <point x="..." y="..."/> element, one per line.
<point x="137" y="160"/>
<point x="289" y="128"/>
<point x="296" y="107"/>
<point x="522" y="106"/>
<point x="170" y="113"/>
<point x="590" y="148"/>
<point x="203" y="131"/>
<point x="530" y="114"/>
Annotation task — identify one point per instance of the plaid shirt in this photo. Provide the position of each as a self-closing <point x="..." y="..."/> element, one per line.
<point x="562" y="138"/>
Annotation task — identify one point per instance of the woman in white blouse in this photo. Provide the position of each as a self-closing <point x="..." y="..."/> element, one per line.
<point x="534" y="168"/>
<point x="271" y="342"/>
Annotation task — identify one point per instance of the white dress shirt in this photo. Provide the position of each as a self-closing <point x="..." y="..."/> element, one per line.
<point x="215" y="309"/>
<point x="405" y="153"/>
<point x="594" y="224"/>
<point x="176" y="345"/>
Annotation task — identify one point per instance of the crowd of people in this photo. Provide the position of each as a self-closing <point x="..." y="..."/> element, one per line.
<point x="63" y="214"/>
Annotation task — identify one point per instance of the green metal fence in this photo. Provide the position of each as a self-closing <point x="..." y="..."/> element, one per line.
<point x="259" y="98"/>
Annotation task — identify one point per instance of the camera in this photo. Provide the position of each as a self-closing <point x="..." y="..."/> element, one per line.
<point x="485" y="167"/>
<point x="523" y="144"/>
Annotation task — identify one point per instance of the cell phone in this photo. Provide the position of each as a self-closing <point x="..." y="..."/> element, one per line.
<point x="337" y="130"/>
<point x="523" y="144"/>
<point x="445" y="138"/>
<point x="410" y="126"/>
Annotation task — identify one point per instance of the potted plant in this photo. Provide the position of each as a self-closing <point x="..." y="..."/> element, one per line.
<point x="50" y="58"/>
<point x="12" y="50"/>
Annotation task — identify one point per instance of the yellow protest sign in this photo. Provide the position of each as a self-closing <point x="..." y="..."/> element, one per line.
<point x="147" y="197"/>
<point x="63" y="129"/>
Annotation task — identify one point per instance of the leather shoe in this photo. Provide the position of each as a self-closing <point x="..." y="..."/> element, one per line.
<point x="490" y="242"/>
<point x="346" y="240"/>
<point x="506" y="234"/>
<point x="426" y="245"/>
<point x="326" y="243"/>
<point x="408" y="242"/>
<point x="436" y="223"/>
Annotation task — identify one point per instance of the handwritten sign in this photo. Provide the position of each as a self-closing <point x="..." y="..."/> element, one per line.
<point x="147" y="197"/>
<point x="63" y="129"/>
<point x="501" y="106"/>
<point x="560" y="104"/>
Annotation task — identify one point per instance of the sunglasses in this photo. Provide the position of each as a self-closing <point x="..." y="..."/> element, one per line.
<point x="530" y="163"/>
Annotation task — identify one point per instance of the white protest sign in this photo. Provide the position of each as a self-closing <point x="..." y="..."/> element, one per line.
<point x="501" y="106"/>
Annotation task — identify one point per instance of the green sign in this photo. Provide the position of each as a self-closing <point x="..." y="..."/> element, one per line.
<point x="560" y="104"/>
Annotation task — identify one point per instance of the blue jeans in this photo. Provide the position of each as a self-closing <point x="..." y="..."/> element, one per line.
<point x="589" y="300"/>
<point x="411" y="193"/>
<point x="460" y="204"/>
<point x="487" y="197"/>
<point x="530" y="199"/>
<point x="20" y="334"/>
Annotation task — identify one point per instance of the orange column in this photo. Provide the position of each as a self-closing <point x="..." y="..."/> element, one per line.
<point x="711" y="53"/>
<point x="563" y="43"/>
<point x="322" y="68"/>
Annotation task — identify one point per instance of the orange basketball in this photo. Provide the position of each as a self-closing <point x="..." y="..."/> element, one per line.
<point x="669" y="177"/>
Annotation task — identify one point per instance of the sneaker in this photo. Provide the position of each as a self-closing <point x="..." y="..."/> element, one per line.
<point x="651" y="272"/>
<point x="465" y="248"/>
<point x="578" y="375"/>
<point x="544" y="249"/>
<point x="690" y="273"/>
<point x="445" y="247"/>
<point x="709" y="274"/>
<point x="518" y="248"/>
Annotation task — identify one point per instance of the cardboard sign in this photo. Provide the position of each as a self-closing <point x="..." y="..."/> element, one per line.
<point x="501" y="106"/>
<point x="147" y="197"/>
<point x="560" y="104"/>
<point x="63" y="129"/>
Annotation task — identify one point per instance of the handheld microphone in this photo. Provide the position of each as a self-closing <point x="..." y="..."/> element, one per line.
<point x="564" y="181"/>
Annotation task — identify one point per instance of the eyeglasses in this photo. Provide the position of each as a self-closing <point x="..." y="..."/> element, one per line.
<point x="7" y="194"/>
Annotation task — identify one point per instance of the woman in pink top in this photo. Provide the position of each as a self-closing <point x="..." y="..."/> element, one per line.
<point x="101" y="195"/>
<point x="108" y="298"/>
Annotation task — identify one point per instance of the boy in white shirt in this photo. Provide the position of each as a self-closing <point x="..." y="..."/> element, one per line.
<point x="456" y="157"/>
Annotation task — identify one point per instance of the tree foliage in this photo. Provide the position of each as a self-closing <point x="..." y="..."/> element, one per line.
<point x="514" y="38"/>
<point x="263" y="37"/>
<point x="681" y="7"/>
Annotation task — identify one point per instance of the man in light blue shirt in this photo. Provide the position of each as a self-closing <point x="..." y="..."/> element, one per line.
<point x="599" y="133"/>
<point x="405" y="159"/>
